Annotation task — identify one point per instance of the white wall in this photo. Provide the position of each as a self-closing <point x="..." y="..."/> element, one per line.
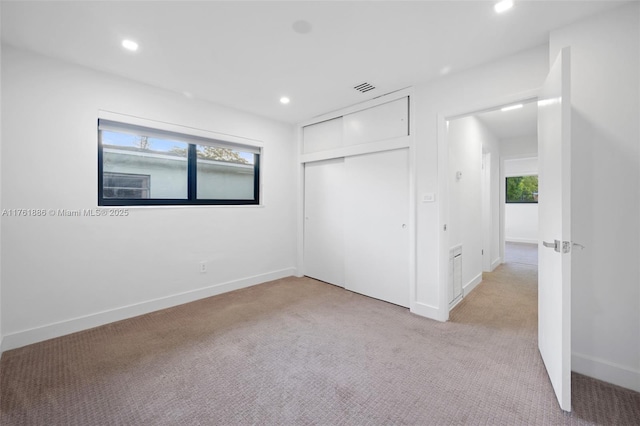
<point x="605" y="193"/>
<point x="467" y="138"/>
<point x="521" y="220"/>
<point x="521" y="147"/>
<point x="469" y="91"/>
<point x="521" y="223"/>
<point x="62" y="274"/>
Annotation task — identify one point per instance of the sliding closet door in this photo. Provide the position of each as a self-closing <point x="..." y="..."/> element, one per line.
<point x="324" y="221"/>
<point x="376" y="212"/>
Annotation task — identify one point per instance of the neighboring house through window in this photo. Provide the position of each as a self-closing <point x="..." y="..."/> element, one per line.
<point x="145" y="166"/>
<point x="126" y="185"/>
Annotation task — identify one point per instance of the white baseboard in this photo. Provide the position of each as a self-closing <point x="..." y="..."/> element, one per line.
<point x="429" y="311"/>
<point x="455" y="303"/>
<point x="606" y="371"/>
<point x="468" y="288"/>
<point x="496" y="263"/>
<point x="50" y="331"/>
<point x="521" y="240"/>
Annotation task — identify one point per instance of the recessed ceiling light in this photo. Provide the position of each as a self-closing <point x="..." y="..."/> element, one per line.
<point x="302" y="27"/>
<point x="130" y="45"/>
<point x="284" y="100"/>
<point x="445" y="70"/>
<point x="511" y="108"/>
<point x="550" y="101"/>
<point x="503" y="6"/>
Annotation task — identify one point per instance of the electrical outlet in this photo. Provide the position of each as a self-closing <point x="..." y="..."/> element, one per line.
<point x="203" y="267"/>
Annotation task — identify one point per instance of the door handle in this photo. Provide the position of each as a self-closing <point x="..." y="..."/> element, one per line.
<point x="559" y="246"/>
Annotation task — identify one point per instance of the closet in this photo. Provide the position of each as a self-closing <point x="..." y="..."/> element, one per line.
<point x="324" y="221"/>
<point x="356" y="205"/>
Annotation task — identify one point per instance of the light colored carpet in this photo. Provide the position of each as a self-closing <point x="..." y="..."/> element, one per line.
<point x="297" y="351"/>
<point x="521" y="253"/>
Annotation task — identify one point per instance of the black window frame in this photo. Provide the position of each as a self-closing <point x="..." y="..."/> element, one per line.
<point x="192" y="172"/>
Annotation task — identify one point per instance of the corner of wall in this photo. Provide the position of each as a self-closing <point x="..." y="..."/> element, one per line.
<point x="496" y="263"/>
<point x="53" y="330"/>
<point x="62" y="303"/>
<point x="432" y="312"/>
<point x="606" y="371"/>
<point x="471" y="285"/>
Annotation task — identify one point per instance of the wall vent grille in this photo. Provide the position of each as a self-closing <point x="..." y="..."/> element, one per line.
<point x="364" y="87"/>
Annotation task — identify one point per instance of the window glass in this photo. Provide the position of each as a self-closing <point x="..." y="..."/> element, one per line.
<point x="163" y="161"/>
<point x="126" y="185"/>
<point x="224" y="173"/>
<point x="522" y="189"/>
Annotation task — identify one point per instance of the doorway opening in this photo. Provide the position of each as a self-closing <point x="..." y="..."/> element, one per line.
<point x="521" y="210"/>
<point x="553" y="282"/>
<point x="485" y="229"/>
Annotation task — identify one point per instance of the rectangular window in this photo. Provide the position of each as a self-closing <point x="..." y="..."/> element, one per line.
<point x="143" y="166"/>
<point x="522" y="189"/>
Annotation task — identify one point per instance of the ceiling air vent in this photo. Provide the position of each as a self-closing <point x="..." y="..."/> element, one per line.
<point x="364" y="87"/>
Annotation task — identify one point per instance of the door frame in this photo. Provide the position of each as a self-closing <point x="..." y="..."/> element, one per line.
<point x="487" y="217"/>
<point x="443" y="183"/>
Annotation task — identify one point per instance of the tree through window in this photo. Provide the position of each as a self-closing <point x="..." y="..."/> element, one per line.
<point x="522" y="189"/>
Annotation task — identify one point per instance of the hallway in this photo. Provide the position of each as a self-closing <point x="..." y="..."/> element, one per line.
<point x="505" y="304"/>
<point x="525" y="253"/>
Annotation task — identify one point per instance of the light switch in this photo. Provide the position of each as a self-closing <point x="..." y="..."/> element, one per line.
<point x="429" y="197"/>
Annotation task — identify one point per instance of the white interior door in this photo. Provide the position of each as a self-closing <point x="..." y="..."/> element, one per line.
<point x="554" y="268"/>
<point x="324" y="221"/>
<point x="376" y="225"/>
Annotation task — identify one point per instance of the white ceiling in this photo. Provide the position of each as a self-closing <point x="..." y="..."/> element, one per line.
<point x="247" y="55"/>
<point x="514" y="123"/>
